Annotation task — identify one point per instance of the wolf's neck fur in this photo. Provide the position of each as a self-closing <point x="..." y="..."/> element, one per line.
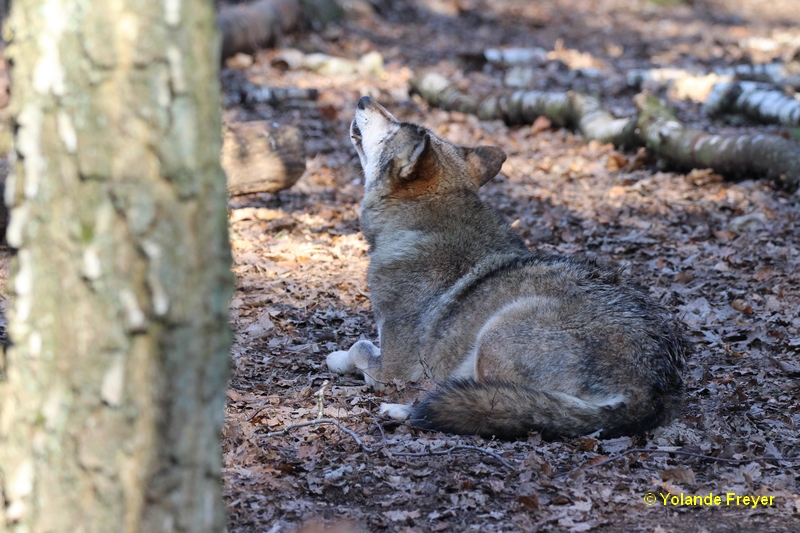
<point x="439" y="241"/>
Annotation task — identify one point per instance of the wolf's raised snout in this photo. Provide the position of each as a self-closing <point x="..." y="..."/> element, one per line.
<point x="517" y="340"/>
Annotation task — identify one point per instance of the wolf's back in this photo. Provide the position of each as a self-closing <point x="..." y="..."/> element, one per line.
<point x="507" y="410"/>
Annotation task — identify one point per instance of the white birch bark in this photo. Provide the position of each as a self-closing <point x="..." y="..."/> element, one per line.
<point x="112" y="399"/>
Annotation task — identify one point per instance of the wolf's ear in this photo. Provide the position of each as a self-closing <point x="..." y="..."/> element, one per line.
<point x="484" y="162"/>
<point x="411" y="159"/>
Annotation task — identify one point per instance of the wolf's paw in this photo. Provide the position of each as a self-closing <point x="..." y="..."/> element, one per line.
<point x="340" y="362"/>
<point x="396" y="411"/>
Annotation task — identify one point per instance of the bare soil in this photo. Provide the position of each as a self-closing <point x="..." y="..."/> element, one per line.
<point x="725" y="256"/>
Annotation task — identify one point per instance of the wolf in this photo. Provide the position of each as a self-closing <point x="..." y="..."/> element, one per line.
<point x="513" y="340"/>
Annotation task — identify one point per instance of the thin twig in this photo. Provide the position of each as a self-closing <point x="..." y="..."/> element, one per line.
<point x="651" y="451"/>
<point x="380" y="427"/>
<point x="318" y="421"/>
<point x="258" y="412"/>
<point x="453" y="449"/>
<point x="366" y="448"/>
<point x="321" y="400"/>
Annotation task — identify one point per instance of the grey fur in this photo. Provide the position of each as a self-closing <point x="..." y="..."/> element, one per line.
<point x="518" y="341"/>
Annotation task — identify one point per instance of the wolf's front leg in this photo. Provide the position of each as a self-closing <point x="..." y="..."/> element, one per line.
<point x="362" y="356"/>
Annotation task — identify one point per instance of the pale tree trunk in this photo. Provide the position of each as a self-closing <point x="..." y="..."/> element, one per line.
<point x="111" y="399"/>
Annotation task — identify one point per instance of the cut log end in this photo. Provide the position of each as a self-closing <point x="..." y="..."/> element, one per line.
<point x="259" y="158"/>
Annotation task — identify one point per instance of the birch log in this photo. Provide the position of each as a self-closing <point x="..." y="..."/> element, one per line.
<point x="735" y="155"/>
<point x="564" y="109"/>
<point x="763" y="103"/>
<point x="738" y="155"/>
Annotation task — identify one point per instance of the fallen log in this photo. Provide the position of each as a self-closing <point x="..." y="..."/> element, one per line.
<point x="239" y="90"/>
<point x="700" y="86"/>
<point x="370" y="63"/>
<point x="564" y="109"/>
<point x="259" y="158"/>
<point x="735" y="155"/>
<point x="508" y="57"/>
<point x="780" y="74"/>
<point x="250" y="94"/>
<point x="248" y="27"/>
<point x="763" y="103"/>
<point x="787" y="75"/>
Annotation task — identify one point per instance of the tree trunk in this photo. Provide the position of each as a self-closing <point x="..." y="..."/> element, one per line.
<point x="112" y="396"/>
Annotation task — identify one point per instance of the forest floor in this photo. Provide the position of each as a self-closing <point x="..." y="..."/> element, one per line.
<point x="724" y="256"/>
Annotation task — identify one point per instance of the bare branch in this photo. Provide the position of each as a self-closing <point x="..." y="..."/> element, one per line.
<point x="366" y="448"/>
<point x="317" y="422"/>
<point x="454" y="449"/>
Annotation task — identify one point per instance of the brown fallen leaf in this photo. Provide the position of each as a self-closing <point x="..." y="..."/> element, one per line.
<point x="764" y="273"/>
<point x="339" y="526"/>
<point x="530" y="501"/>
<point x="679" y="474"/>
<point x="615" y="162"/>
<point x="616" y="191"/>
<point x="561" y="500"/>
<point x="741" y="305"/>
<point x="541" y="124"/>
<point x="307" y="451"/>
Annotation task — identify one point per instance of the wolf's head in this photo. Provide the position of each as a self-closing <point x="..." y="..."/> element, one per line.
<point x="405" y="160"/>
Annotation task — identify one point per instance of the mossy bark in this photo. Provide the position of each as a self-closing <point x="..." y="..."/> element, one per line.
<point x="738" y="155"/>
<point x="741" y="156"/>
<point x="762" y="103"/>
<point x="112" y="397"/>
<point x="581" y="112"/>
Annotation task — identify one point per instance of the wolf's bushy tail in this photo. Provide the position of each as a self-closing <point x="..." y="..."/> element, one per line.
<point x="508" y="410"/>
